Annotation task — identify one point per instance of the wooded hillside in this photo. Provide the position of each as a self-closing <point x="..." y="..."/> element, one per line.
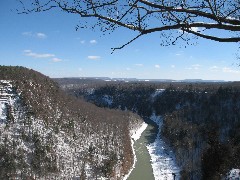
<point x="46" y="134"/>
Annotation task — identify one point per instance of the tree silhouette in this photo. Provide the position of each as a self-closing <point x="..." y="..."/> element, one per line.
<point x="175" y="19"/>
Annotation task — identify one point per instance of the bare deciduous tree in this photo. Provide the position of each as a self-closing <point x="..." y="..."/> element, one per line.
<point x="175" y="19"/>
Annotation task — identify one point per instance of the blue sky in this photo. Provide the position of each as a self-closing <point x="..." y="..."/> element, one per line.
<point x="48" y="42"/>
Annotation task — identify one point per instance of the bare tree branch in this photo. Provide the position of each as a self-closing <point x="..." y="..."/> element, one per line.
<point x="149" y="16"/>
<point x="230" y="39"/>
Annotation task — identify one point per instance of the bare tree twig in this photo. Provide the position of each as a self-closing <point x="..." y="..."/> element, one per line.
<point x="121" y="47"/>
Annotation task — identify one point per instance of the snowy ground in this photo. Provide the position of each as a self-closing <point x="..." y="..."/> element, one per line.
<point x="162" y="159"/>
<point x="135" y="135"/>
<point x="157" y="92"/>
<point x="234" y="174"/>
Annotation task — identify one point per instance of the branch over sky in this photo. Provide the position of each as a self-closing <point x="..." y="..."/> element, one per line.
<point x="174" y="19"/>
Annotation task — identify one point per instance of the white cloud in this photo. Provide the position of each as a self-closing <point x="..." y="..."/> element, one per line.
<point x="194" y="67"/>
<point x="82" y="41"/>
<point x="179" y="53"/>
<point x="214" y="68"/>
<point x="173" y="66"/>
<point x="41" y="35"/>
<point x="94" y="57"/>
<point x="27" y="51"/>
<point x="93" y="41"/>
<point x="157" y="66"/>
<point x="56" y="59"/>
<point x="27" y="33"/>
<point x="140" y="65"/>
<point x="80" y="69"/>
<point x="229" y="70"/>
<point x="128" y="69"/>
<point x="42" y="56"/>
<point x="36" y="55"/>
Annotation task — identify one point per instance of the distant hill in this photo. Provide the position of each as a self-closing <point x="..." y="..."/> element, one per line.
<point x="107" y="79"/>
<point x="46" y="134"/>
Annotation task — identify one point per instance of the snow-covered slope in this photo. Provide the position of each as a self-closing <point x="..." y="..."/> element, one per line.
<point x="42" y="147"/>
<point x="46" y="135"/>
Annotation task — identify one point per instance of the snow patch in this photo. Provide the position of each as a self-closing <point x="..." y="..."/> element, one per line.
<point x="157" y="92"/>
<point x="234" y="174"/>
<point x="162" y="159"/>
<point x="136" y="134"/>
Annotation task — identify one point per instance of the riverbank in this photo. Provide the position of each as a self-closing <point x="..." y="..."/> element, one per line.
<point x="162" y="158"/>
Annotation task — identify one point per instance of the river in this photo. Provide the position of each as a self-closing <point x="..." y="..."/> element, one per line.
<point x="160" y="163"/>
<point x="143" y="168"/>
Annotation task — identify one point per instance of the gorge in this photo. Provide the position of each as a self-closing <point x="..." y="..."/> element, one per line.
<point x="52" y="128"/>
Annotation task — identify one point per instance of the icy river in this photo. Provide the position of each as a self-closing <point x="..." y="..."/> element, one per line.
<point x="154" y="159"/>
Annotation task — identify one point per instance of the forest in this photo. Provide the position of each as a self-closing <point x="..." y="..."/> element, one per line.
<point x="46" y="134"/>
<point x="201" y="120"/>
